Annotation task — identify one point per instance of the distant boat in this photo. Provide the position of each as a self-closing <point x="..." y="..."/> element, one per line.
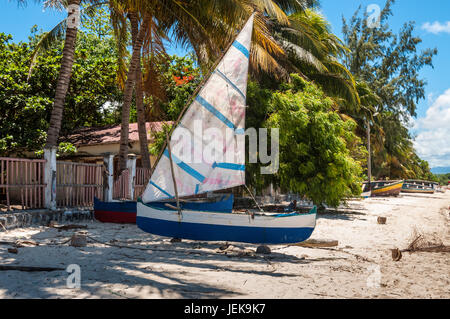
<point x="383" y="188"/>
<point x="124" y="212"/>
<point x="418" y="186"/>
<point x="219" y="104"/>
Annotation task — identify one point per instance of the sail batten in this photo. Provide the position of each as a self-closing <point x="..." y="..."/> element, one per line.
<point x="207" y="145"/>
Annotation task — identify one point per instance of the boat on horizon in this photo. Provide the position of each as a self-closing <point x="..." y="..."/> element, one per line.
<point x="219" y="104"/>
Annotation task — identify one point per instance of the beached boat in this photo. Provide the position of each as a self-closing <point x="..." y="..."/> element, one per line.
<point x="417" y="186"/>
<point x="219" y="105"/>
<point x="384" y="188"/>
<point x="124" y="212"/>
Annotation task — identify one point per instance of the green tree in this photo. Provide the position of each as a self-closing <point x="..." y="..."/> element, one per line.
<point x="25" y="101"/>
<point x="315" y="157"/>
<point x="390" y="64"/>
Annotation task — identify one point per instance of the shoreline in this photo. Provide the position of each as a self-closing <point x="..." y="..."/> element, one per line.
<point x="361" y="266"/>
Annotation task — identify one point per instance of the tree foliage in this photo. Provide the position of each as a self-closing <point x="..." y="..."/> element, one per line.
<point x="25" y="104"/>
<point x="390" y="65"/>
<point x="315" y="143"/>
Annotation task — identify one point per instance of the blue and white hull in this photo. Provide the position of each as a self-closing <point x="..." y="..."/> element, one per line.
<point x="210" y="226"/>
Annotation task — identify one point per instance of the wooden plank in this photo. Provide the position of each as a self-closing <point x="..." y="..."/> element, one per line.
<point x="313" y="243"/>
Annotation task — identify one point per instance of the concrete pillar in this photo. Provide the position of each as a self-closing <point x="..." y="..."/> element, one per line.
<point x="50" y="177"/>
<point x="131" y="166"/>
<point x="108" y="178"/>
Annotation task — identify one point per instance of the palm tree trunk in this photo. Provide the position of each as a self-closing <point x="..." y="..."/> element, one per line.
<point x="128" y="94"/>
<point x="142" y="130"/>
<point x="63" y="82"/>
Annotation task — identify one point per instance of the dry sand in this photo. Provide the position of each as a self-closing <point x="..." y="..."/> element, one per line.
<point x="360" y="267"/>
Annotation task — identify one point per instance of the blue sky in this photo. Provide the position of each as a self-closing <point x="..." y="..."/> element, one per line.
<point x="432" y="19"/>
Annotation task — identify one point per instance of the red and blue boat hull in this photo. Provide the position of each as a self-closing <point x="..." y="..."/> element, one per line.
<point x="124" y="212"/>
<point x="115" y="212"/>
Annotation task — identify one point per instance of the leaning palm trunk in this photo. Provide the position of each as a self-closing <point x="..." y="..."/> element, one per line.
<point x="143" y="142"/>
<point x="142" y="130"/>
<point x="128" y="94"/>
<point x="63" y="81"/>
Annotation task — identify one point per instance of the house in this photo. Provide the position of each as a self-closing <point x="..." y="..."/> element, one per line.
<point x="93" y="142"/>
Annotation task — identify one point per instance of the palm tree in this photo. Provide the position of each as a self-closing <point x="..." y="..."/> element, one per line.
<point x="139" y="94"/>
<point x="64" y="76"/>
<point x="69" y="28"/>
<point x="219" y="21"/>
<point x="314" y="52"/>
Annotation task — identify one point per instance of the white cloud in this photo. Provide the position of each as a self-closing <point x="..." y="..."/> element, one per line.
<point x="437" y="27"/>
<point x="433" y="139"/>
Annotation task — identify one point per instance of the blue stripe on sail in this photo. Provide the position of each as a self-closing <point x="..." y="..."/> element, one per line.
<point x="196" y="188"/>
<point x="185" y="167"/>
<point x="232" y="166"/>
<point x="223" y="76"/>
<point x="162" y="190"/>
<point x="216" y="112"/>
<point x="241" y="48"/>
<point x="239" y="131"/>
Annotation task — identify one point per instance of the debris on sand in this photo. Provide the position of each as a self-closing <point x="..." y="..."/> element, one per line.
<point x="78" y="240"/>
<point x="381" y="220"/>
<point x="263" y="249"/>
<point x="396" y="254"/>
<point x="315" y="243"/>
<point x="12" y="250"/>
<point x="421" y="242"/>
<point x="27" y="268"/>
<point x="68" y="227"/>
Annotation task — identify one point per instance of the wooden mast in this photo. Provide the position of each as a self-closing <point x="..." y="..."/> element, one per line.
<point x="173" y="174"/>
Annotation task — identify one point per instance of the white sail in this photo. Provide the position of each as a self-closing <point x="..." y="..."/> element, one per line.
<point x="208" y="146"/>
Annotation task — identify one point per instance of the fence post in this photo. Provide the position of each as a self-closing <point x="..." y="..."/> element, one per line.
<point x="50" y="177"/>
<point x="108" y="177"/>
<point x="131" y="165"/>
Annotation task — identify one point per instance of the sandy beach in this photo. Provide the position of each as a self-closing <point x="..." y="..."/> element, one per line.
<point x="361" y="266"/>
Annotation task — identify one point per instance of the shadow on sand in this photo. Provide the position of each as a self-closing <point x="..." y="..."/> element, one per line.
<point x="172" y="271"/>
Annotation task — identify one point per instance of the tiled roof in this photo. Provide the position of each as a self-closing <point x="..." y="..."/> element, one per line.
<point x="109" y="134"/>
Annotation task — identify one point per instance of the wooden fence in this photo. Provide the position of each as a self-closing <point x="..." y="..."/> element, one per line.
<point x="78" y="183"/>
<point x="21" y="183"/>
<point x="141" y="181"/>
<point x="121" y="186"/>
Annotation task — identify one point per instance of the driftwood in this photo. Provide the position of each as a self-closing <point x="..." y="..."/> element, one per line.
<point x="421" y="244"/>
<point x="68" y="227"/>
<point x="396" y="254"/>
<point x="28" y="268"/>
<point x="313" y="243"/>
<point x="78" y="240"/>
<point x="12" y="250"/>
<point x="25" y="243"/>
<point x="19" y="243"/>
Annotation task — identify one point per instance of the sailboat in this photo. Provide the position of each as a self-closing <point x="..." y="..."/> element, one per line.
<point x="219" y="104"/>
